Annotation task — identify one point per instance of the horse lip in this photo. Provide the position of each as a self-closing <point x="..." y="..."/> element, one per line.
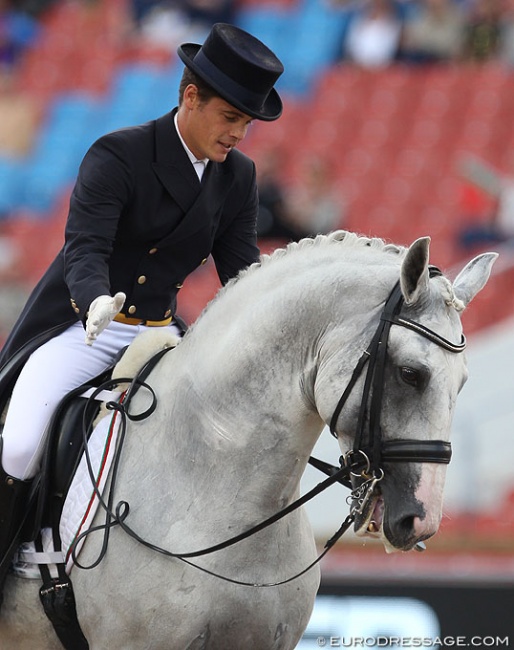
<point x="372" y="523"/>
<point x="369" y="522"/>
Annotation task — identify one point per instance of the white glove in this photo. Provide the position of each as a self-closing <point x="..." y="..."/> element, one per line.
<point x="101" y="312"/>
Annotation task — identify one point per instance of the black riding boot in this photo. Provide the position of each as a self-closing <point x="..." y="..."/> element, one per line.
<point x="14" y="496"/>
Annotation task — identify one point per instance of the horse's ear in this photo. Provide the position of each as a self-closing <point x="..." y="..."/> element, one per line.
<point x="414" y="274"/>
<point x="473" y="277"/>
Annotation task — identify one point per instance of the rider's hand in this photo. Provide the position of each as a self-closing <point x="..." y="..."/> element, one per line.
<point x="101" y="312"/>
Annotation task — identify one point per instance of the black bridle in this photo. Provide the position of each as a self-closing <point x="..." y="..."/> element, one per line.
<point x="372" y="446"/>
<point x="364" y="460"/>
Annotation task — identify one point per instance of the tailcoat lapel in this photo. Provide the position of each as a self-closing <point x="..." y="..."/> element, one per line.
<point x="199" y="201"/>
<point x="172" y="164"/>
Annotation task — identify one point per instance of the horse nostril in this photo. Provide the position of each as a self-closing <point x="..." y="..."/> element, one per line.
<point x="422" y="528"/>
<point x="409" y="529"/>
<point x="407" y="525"/>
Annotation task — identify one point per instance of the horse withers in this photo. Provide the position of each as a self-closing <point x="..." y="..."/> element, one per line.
<point x="240" y="404"/>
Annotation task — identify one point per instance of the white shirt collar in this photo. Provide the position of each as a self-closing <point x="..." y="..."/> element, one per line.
<point x="199" y="165"/>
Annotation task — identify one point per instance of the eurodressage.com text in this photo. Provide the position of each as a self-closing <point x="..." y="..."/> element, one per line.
<point x="413" y="642"/>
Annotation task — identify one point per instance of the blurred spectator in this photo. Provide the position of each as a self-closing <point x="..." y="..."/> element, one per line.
<point x="274" y="220"/>
<point x="483" y="30"/>
<point x="164" y="24"/>
<point x="496" y="226"/>
<point x="373" y="35"/>
<point x="315" y="204"/>
<point x="169" y="22"/>
<point x="204" y="13"/>
<point x="310" y="207"/>
<point x="434" y="33"/>
<point x="20" y="117"/>
<point x="506" y="48"/>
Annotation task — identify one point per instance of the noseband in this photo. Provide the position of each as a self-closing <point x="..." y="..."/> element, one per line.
<point x="370" y="446"/>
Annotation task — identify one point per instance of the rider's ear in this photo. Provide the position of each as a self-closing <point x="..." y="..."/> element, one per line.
<point x="414" y="274"/>
<point x="473" y="277"/>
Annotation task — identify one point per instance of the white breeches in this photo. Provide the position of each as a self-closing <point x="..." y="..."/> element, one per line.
<point x="57" y="367"/>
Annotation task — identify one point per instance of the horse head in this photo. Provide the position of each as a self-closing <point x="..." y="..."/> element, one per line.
<point x="398" y="418"/>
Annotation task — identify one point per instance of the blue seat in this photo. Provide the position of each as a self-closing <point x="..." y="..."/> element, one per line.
<point x="307" y="38"/>
<point x="269" y="24"/>
<point x="10" y="183"/>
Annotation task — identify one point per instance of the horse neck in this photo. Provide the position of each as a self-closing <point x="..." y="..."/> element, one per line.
<point x="247" y="368"/>
<point x="243" y="386"/>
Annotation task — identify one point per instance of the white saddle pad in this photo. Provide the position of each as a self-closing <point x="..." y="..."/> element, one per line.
<point x="82" y="501"/>
<point x="80" y="506"/>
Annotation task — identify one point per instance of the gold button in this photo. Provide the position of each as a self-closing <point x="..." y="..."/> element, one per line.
<point x="76" y="309"/>
<point x="204" y="260"/>
<point x="179" y="285"/>
<point x="152" y="251"/>
<point x="141" y="279"/>
<point x="132" y="309"/>
<point x="167" y="313"/>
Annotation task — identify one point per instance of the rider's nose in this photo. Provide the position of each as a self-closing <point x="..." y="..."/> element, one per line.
<point x="238" y="131"/>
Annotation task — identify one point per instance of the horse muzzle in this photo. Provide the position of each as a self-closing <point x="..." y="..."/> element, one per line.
<point x="401" y="524"/>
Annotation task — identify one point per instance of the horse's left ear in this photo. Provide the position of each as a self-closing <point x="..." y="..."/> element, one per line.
<point x="414" y="274"/>
<point x="473" y="277"/>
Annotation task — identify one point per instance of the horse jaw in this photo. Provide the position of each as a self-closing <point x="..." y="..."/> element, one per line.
<point x="473" y="277"/>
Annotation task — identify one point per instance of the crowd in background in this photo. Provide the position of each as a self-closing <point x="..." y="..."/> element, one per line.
<point x="376" y="32"/>
<point x="379" y="32"/>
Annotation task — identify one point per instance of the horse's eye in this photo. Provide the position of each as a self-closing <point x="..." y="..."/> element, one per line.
<point x="410" y="376"/>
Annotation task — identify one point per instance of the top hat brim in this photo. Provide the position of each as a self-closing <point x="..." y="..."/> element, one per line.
<point x="269" y="111"/>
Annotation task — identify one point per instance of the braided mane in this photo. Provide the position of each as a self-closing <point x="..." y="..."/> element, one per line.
<point x="339" y="237"/>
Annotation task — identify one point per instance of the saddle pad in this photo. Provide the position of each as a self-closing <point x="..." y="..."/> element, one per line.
<point x="80" y="506"/>
<point x="82" y="500"/>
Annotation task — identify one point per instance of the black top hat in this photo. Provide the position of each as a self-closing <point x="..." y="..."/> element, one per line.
<point x="238" y="67"/>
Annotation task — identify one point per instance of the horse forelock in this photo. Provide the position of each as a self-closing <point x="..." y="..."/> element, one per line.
<point x="449" y="296"/>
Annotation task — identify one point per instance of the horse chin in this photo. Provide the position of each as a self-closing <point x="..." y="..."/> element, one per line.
<point x="370" y="524"/>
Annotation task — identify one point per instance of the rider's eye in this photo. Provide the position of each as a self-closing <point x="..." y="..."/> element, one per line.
<point x="410" y="376"/>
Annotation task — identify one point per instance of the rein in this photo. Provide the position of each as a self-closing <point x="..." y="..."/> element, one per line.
<point x="364" y="460"/>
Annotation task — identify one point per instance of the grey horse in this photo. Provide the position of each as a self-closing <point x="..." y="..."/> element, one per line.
<point x="241" y="402"/>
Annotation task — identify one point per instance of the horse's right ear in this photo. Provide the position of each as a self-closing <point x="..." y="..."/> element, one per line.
<point x="414" y="273"/>
<point x="473" y="277"/>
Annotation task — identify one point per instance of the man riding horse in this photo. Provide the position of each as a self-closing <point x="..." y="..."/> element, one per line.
<point x="150" y="204"/>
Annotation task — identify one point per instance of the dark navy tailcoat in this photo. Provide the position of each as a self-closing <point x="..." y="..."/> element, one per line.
<point x="140" y="221"/>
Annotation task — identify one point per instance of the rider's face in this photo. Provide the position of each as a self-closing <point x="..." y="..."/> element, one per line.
<point x="211" y="129"/>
